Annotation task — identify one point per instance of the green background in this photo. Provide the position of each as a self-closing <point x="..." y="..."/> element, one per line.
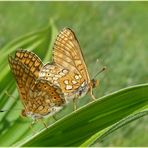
<point x="113" y="32"/>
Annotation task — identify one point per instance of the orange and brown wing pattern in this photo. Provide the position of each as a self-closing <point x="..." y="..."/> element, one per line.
<point x="24" y="77"/>
<point x="44" y="99"/>
<point x="39" y="97"/>
<point x="67" y="80"/>
<point x="30" y="60"/>
<point x="67" y="53"/>
<point x="53" y="93"/>
<point x="68" y="69"/>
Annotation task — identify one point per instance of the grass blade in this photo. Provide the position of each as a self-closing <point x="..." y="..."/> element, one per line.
<point x="76" y="128"/>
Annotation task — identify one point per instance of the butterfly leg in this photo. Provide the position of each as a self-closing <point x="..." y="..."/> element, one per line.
<point x="31" y="127"/>
<point x="75" y="103"/>
<point x="53" y="116"/>
<point x="92" y="95"/>
<point x="44" y="123"/>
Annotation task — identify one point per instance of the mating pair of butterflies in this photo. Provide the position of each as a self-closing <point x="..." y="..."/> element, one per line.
<point x="45" y="88"/>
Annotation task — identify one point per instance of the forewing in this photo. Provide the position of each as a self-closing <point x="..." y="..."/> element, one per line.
<point x="67" y="53"/>
<point x="24" y="77"/>
<point x="30" y="60"/>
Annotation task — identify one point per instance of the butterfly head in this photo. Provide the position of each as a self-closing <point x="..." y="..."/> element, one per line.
<point x="94" y="83"/>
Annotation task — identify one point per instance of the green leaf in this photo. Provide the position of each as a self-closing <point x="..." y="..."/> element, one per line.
<point x="76" y="128"/>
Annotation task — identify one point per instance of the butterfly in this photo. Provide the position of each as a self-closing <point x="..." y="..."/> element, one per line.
<point x="68" y="69"/>
<point x="39" y="97"/>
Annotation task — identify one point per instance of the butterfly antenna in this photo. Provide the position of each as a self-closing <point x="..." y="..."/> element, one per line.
<point x="103" y="69"/>
<point x="94" y="67"/>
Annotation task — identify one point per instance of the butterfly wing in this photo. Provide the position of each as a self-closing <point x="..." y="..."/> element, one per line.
<point x="68" y="69"/>
<point x="30" y="60"/>
<point x="39" y="97"/>
<point x="24" y="77"/>
<point x="67" y="53"/>
<point x="46" y="98"/>
<point x="43" y="99"/>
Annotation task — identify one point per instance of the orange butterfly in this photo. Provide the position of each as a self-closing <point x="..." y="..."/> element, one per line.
<point x="39" y="97"/>
<point x="68" y="70"/>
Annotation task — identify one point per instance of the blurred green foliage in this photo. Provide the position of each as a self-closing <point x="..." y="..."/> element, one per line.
<point x="113" y="32"/>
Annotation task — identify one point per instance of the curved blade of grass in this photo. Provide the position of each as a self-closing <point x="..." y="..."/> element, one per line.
<point x="76" y="128"/>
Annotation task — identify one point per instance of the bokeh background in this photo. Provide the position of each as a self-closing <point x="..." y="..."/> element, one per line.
<point x="116" y="33"/>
